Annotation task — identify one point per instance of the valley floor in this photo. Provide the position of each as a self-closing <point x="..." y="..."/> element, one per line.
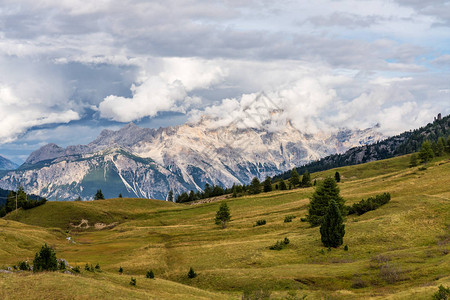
<point x="399" y="251"/>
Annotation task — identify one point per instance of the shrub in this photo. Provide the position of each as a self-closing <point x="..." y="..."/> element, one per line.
<point x="133" y="281"/>
<point x="120" y="270"/>
<point x="288" y="219"/>
<point x="24" y="266"/>
<point x="76" y="269"/>
<point x="369" y="204"/>
<point x="389" y="273"/>
<point x="150" y="274"/>
<point x="443" y="293"/>
<point x="279" y="245"/>
<point x="61" y="265"/>
<point x="260" y="222"/>
<point x="45" y="260"/>
<point x="97" y="267"/>
<point x="191" y="273"/>
<point x="86" y="267"/>
<point x="345" y="248"/>
<point x="261" y="294"/>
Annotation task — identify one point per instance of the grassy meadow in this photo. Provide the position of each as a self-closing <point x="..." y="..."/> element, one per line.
<point x="399" y="251"/>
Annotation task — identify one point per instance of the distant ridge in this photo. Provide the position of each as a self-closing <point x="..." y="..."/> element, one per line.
<point x="404" y="143"/>
<point x="6" y="164"/>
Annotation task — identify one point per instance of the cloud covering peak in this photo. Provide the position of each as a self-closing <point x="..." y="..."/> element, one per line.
<point x="327" y="64"/>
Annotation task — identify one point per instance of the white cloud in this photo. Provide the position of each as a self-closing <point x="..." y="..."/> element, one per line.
<point x="166" y="91"/>
<point x="19" y="115"/>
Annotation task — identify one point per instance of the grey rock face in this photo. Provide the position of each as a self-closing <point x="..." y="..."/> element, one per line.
<point x="142" y="162"/>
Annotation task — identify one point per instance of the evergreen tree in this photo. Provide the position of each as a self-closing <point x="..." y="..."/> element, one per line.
<point x="18" y="199"/>
<point x="434" y="148"/>
<point x="223" y="215"/>
<point x="413" y="161"/>
<point x="337" y="176"/>
<point x="170" y="196"/>
<point x="207" y="191"/>
<point x="283" y="186"/>
<point x="234" y="191"/>
<point x="306" y="179"/>
<point x="120" y="195"/>
<point x="267" y="184"/>
<point x="191" y="273"/>
<point x="45" y="260"/>
<point x="255" y="186"/>
<point x="332" y="230"/>
<point x="448" y="145"/>
<point x="150" y="274"/>
<point x="99" y="195"/>
<point x="440" y="146"/>
<point x="426" y="153"/>
<point x="2" y="211"/>
<point x="320" y="200"/>
<point x="295" y="178"/>
<point x="120" y="270"/>
<point x="191" y="196"/>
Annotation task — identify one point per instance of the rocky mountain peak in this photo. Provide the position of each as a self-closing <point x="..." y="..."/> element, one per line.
<point x="49" y="151"/>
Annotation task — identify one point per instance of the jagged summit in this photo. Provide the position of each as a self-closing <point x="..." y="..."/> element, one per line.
<point x="143" y="162"/>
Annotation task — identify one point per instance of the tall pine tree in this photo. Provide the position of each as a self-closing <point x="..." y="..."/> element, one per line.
<point x="267" y="184"/>
<point x="332" y="230"/>
<point x="295" y="178"/>
<point x="337" y="176"/>
<point x="306" y="179"/>
<point x="255" y="186"/>
<point x="321" y="199"/>
<point x="223" y="215"/>
<point x="426" y="152"/>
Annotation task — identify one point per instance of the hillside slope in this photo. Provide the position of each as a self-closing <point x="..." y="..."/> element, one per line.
<point x="398" y="251"/>
<point x="404" y="143"/>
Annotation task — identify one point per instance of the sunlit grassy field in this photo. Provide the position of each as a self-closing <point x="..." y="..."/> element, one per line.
<point x="398" y="251"/>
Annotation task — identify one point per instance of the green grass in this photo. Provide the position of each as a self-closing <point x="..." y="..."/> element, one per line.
<point x="411" y="234"/>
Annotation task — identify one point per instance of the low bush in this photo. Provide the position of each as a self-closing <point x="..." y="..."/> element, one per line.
<point x="369" y="204"/>
<point x="133" y="281"/>
<point x="191" y="273"/>
<point x="288" y="219"/>
<point x="150" y="274"/>
<point x="443" y="293"/>
<point x="260" y="222"/>
<point x="279" y="245"/>
<point x="262" y="294"/>
<point x="24" y="266"/>
<point x="76" y="269"/>
<point x="45" y="260"/>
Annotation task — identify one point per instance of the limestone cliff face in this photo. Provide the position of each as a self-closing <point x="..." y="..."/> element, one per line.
<point x="142" y="162"/>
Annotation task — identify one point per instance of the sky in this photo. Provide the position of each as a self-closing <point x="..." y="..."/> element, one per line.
<point x="71" y="68"/>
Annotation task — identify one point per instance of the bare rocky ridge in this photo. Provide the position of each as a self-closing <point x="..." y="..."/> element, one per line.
<point x="142" y="162"/>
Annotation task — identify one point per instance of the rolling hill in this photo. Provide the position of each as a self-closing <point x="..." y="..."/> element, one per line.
<point x="399" y="251"/>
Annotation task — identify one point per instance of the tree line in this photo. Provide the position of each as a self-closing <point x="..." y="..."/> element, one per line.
<point x="20" y="199"/>
<point x="238" y="190"/>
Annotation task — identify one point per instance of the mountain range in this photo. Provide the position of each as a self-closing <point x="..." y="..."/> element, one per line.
<point x="6" y="164"/>
<point x="401" y="144"/>
<point x="143" y="162"/>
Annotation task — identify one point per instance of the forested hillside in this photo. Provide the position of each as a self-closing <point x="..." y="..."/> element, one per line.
<point x="404" y="143"/>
